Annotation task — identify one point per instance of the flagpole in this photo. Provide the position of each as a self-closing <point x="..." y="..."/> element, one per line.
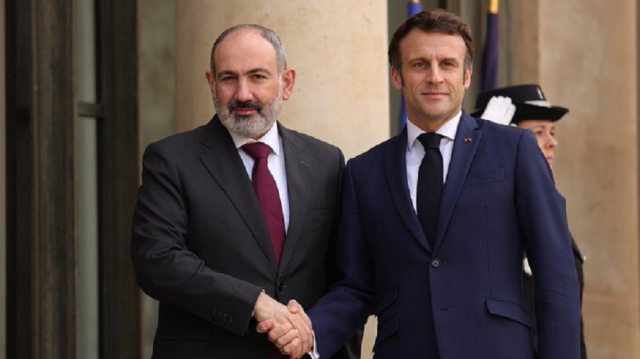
<point x="493" y="6"/>
<point x="489" y="65"/>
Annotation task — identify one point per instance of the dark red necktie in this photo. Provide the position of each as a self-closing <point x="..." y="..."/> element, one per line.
<point x="267" y="193"/>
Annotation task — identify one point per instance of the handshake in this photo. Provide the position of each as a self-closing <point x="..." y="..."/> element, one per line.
<point x="288" y="327"/>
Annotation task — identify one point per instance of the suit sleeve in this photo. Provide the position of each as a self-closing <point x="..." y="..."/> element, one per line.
<point x="543" y="225"/>
<point x="349" y="302"/>
<point x="165" y="268"/>
<point x="353" y="347"/>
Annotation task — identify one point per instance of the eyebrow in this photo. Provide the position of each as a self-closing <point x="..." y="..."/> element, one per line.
<point x="254" y="70"/>
<point x="259" y="69"/>
<point x="422" y="58"/>
<point x="419" y="58"/>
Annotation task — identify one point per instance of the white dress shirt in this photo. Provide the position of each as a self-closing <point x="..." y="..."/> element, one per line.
<point x="415" y="152"/>
<point x="275" y="162"/>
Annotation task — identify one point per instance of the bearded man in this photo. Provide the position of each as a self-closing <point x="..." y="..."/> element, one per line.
<point x="235" y="217"/>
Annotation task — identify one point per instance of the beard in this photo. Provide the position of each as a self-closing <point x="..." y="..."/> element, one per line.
<point x="252" y="126"/>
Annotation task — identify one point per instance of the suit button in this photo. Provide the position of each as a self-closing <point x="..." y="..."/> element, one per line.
<point x="436" y="263"/>
<point x="281" y="287"/>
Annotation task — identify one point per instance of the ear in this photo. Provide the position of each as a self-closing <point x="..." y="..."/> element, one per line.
<point x="288" y="80"/>
<point x="396" y="78"/>
<point x="466" y="81"/>
<point x="211" y="80"/>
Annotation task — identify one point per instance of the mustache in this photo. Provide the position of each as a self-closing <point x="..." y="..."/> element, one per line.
<point x="244" y="104"/>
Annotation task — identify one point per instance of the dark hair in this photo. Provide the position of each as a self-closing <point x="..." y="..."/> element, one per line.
<point x="436" y="20"/>
<point x="266" y="33"/>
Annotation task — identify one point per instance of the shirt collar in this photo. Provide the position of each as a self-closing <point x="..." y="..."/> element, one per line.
<point x="448" y="130"/>
<point x="270" y="138"/>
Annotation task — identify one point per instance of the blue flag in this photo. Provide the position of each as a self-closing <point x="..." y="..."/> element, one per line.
<point x="489" y="69"/>
<point x="413" y="7"/>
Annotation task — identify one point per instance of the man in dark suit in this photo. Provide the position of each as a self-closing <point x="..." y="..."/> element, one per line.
<point x="440" y="265"/>
<point x="220" y="237"/>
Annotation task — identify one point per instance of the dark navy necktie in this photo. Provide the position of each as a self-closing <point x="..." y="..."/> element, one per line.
<point x="430" y="180"/>
<point x="268" y="196"/>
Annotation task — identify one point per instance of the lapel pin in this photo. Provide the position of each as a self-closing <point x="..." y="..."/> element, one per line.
<point x="467" y="139"/>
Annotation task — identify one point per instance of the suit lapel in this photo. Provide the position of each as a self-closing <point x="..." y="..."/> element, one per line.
<point x="225" y="166"/>
<point x="464" y="148"/>
<point x="395" y="166"/>
<point x="301" y="181"/>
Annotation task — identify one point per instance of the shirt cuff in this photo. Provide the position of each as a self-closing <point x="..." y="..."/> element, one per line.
<point x="313" y="353"/>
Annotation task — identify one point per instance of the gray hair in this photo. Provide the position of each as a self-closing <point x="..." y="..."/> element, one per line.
<point x="266" y="33"/>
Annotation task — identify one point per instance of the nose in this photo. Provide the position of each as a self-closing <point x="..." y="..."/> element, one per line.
<point x="552" y="142"/>
<point x="243" y="92"/>
<point x="434" y="74"/>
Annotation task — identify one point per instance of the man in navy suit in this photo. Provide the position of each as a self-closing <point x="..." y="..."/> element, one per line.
<point x="445" y="281"/>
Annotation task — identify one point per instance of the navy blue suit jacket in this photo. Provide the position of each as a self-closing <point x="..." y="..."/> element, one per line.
<point x="463" y="296"/>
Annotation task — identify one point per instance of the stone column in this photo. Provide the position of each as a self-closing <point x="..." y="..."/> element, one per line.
<point x="338" y="49"/>
<point x="584" y="54"/>
<point x="525" y="40"/>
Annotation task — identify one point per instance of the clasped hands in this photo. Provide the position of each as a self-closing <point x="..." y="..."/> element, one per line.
<point x="288" y="327"/>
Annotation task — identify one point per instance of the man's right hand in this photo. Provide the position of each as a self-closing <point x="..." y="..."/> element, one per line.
<point x="289" y="328"/>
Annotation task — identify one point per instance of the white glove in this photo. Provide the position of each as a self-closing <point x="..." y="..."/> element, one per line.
<point x="499" y="110"/>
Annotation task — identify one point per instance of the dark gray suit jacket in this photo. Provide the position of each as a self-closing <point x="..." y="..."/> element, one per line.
<point x="200" y="245"/>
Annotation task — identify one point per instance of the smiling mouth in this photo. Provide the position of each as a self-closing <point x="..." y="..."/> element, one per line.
<point x="434" y="94"/>
<point x="244" y="108"/>
<point x="244" y="111"/>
